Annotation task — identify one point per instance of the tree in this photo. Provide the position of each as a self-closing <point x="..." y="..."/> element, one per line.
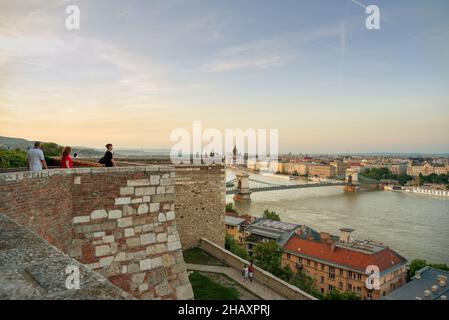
<point x="337" y="295"/>
<point x="12" y="159"/>
<point x="414" y="266"/>
<point x="305" y="283"/>
<point x="271" y="215"/>
<point x="235" y="248"/>
<point x="267" y="255"/>
<point x="51" y="149"/>
<point x="230" y="207"/>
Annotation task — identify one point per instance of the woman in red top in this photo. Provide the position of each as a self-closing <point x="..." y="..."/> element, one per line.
<point x="66" y="160"/>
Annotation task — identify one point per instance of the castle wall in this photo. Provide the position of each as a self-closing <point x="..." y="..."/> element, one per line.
<point x="119" y="222"/>
<point x="200" y="204"/>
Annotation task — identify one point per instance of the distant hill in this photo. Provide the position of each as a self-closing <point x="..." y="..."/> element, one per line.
<point x="14" y="143"/>
<point x="9" y="143"/>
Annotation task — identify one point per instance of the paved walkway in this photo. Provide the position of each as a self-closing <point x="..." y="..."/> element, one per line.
<point x="257" y="288"/>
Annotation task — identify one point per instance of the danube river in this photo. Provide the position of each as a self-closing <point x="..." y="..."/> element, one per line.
<point x="416" y="226"/>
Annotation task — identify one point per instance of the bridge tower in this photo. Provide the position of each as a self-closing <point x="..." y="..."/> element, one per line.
<point x="352" y="179"/>
<point x="243" y="192"/>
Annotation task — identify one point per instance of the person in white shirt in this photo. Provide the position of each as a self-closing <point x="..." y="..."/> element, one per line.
<point x="36" y="159"/>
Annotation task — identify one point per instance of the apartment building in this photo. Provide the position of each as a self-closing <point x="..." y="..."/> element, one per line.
<point x="341" y="263"/>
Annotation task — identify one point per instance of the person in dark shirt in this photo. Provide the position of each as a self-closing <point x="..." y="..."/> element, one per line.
<point x="108" y="159"/>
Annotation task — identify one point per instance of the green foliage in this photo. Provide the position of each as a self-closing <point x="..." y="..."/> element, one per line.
<point x="235" y="248"/>
<point x="404" y="178"/>
<point x="51" y="149"/>
<point x="337" y="295"/>
<point x="435" y="178"/>
<point x="12" y="159"/>
<point x="267" y="255"/>
<point x="417" y="264"/>
<point x="306" y="283"/>
<point x="378" y="174"/>
<point x="206" y="289"/>
<point x="271" y="215"/>
<point x="230" y="207"/>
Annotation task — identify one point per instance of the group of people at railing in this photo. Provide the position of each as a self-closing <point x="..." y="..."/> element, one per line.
<point x="36" y="158"/>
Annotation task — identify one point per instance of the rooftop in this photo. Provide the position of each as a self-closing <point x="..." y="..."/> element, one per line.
<point x="413" y="290"/>
<point x="234" y="221"/>
<point x="347" y="255"/>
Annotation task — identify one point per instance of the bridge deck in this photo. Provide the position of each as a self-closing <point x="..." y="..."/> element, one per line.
<point x="286" y="187"/>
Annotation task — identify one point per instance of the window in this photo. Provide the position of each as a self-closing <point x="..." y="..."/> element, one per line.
<point x="341" y="272"/>
<point x="359" y="289"/>
<point x="332" y="273"/>
<point x="330" y="288"/>
<point x="321" y="279"/>
<point x="349" y="287"/>
<point x="359" y="276"/>
<point x="288" y="256"/>
<point x="349" y="274"/>
<point x="308" y="262"/>
<point x="323" y="267"/>
<point x="369" y="296"/>
<point x="340" y="285"/>
<point x="322" y="290"/>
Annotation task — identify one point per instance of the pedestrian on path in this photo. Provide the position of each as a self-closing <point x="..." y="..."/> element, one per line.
<point x="245" y="272"/>
<point x="251" y="272"/>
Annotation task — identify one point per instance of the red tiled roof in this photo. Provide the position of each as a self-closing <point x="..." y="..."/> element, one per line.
<point x="384" y="259"/>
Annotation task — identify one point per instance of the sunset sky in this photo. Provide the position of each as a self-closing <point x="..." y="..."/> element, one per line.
<point x="136" y="70"/>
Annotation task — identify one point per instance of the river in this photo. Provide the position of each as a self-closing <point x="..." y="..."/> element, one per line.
<point x="416" y="226"/>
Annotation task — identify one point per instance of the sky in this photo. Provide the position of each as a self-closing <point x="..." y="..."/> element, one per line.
<point x="137" y="70"/>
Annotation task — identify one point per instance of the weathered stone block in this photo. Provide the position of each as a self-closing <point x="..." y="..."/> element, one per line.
<point x="125" y="222"/>
<point x="138" y="183"/>
<point x="148" y="238"/>
<point x="184" y="292"/>
<point x="115" y="214"/>
<point x="81" y="219"/>
<point x="143" y="208"/>
<point x="161" y="217"/>
<point x="126" y="191"/>
<point x="102" y="250"/>
<point x="145" y="191"/>
<point x="154" y="179"/>
<point x="154" y="207"/>
<point x="170" y="215"/>
<point x="161" y="237"/>
<point x="129" y="232"/>
<point x="121" y="201"/>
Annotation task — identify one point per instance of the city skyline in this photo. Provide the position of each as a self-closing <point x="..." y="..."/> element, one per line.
<point x="136" y="71"/>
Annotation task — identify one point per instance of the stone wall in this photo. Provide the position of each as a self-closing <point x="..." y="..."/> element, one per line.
<point x="200" y="203"/>
<point x="118" y="221"/>
<point x="200" y="200"/>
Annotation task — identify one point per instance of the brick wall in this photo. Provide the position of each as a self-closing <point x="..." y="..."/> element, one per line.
<point x="118" y="221"/>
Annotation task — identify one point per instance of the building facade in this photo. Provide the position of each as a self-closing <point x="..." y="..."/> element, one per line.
<point x="341" y="264"/>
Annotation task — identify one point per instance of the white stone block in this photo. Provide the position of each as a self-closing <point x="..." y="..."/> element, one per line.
<point x="108" y="239"/>
<point x="99" y="234"/>
<point x="147" y="238"/>
<point x="154" y="179"/>
<point x="136" y="200"/>
<point x="161" y="237"/>
<point x="170" y="215"/>
<point x="77" y="180"/>
<point x="129" y="232"/>
<point x="124" y="269"/>
<point x="106" y="261"/>
<point x="81" y="219"/>
<point x="102" y="250"/>
<point x="126" y="191"/>
<point x="146" y="199"/>
<point x="115" y="214"/>
<point x="161" y="217"/>
<point x="156" y="262"/>
<point x="174" y="245"/>
<point x="125" y="222"/>
<point x="145" y="264"/>
<point x="121" y="256"/>
<point x="98" y="214"/>
<point x="138" y="183"/>
<point x="154" y="207"/>
<point x="122" y="201"/>
<point x="145" y="191"/>
<point x="143" y="208"/>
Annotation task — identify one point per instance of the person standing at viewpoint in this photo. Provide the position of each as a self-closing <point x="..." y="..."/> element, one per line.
<point x="35" y="158"/>
<point x="108" y="159"/>
<point x="66" y="160"/>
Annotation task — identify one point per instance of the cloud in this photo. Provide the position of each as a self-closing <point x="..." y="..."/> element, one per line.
<point x="267" y="53"/>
